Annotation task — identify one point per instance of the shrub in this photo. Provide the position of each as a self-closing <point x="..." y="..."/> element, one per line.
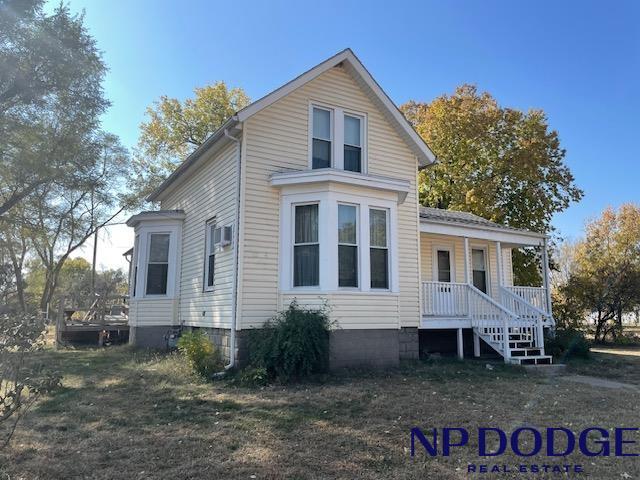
<point x="201" y="354"/>
<point x="253" y="377"/>
<point x="567" y="343"/>
<point x="292" y="345"/>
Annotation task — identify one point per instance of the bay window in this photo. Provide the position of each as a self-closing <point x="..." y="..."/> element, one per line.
<point x="158" y="264"/>
<point x="347" y="246"/>
<point x="306" y="249"/>
<point x="379" y="248"/>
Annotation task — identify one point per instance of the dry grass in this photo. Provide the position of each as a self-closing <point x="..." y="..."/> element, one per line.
<point x="123" y="414"/>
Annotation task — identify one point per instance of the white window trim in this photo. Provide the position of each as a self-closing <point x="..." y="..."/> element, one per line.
<point x="388" y="247"/>
<point x="328" y="238"/>
<point x="208" y="240"/>
<point x="357" y="245"/>
<point x="337" y="135"/>
<point x="487" y="263"/>
<point x="292" y="233"/>
<point x="175" y="242"/>
<point x="452" y="260"/>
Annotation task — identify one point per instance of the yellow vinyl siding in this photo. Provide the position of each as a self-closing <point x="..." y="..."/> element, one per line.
<point x="153" y="311"/>
<point x="209" y="192"/>
<point x="276" y="139"/>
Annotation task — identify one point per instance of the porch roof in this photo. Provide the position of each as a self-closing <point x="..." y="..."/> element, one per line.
<point x="464" y="224"/>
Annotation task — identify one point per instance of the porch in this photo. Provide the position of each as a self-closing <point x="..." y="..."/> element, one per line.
<point x="467" y="283"/>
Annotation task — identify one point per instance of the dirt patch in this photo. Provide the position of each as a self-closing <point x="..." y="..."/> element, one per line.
<point x="599" y="382"/>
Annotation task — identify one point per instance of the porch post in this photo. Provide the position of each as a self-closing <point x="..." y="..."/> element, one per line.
<point x="499" y="264"/>
<point x="476" y="344"/>
<point x="545" y="274"/>
<point x="460" y="345"/>
<point x="467" y="267"/>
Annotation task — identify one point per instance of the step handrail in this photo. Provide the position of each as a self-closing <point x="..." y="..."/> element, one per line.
<point x="519" y="299"/>
<point x="487" y="298"/>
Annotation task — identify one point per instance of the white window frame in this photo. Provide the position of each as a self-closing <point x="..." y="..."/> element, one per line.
<point x="487" y="263"/>
<point x="133" y="281"/>
<point x="452" y="260"/>
<point x="147" y="263"/>
<point x="328" y="238"/>
<point x="337" y="135"/>
<point x="332" y="130"/>
<point x="388" y="247"/>
<point x="210" y="226"/>
<point x="357" y="245"/>
<point x="294" y="244"/>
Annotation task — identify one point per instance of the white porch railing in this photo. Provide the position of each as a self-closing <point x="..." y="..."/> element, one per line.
<point x="536" y="296"/>
<point x="445" y="299"/>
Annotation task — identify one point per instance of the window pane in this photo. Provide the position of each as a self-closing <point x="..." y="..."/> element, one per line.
<point x="378" y="227"/>
<point x="347" y="224"/>
<point x="321" y="154"/>
<point x="480" y="280"/>
<point x="321" y="124"/>
<point x="159" y="249"/>
<point x="157" y="278"/>
<point x="352" y="131"/>
<point x="306" y="266"/>
<point x="306" y="230"/>
<point x="347" y="266"/>
<point x="477" y="259"/>
<point x="444" y="266"/>
<point x="379" y="268"/>
<point x="210" y="269"/>
<point x="352" y="162"/>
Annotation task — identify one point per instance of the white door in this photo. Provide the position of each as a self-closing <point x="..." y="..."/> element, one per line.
<point x="445" y="301"/>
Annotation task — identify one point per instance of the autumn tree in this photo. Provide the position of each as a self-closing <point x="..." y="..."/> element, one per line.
<point x="175" y="128"/>
<point x="606" y="278"/>
<point x="497" y="162"/>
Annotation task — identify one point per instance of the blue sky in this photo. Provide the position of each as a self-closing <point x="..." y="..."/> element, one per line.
<point x="578" y="61"/>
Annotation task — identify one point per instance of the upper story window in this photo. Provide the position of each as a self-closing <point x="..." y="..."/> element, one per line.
<point x="322" y="138"/>
<point x="158" y="264"/>
<point x="306" y="247"/>
<point x="352" y="143"/>
<point x="337" y="139"/>
<point x="210" y="257"/>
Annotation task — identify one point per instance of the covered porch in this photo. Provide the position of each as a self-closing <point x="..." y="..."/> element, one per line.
<point x="467" y="282"/>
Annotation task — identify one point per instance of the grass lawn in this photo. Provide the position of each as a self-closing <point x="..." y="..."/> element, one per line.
<point x="122" y="414"/>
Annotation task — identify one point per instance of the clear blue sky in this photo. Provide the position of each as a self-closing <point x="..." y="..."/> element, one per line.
<point x="578" y="61"/>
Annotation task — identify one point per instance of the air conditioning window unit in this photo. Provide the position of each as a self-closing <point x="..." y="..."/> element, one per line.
<point x="222" y="236"/>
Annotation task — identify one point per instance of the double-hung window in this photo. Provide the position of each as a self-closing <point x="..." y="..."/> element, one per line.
<point x="158" y="264"/>
<point x="352" y="143"/>
<point x="379" y="248"/>
<point x="306" y="247"/>
<point x="347" y="246"/>
<point x="210" y="254"/>
<point x="322" y="137"/>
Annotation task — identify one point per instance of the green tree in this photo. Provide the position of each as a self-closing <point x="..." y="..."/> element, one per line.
<point x="606" y="277"/>
<point x="497" y="162"/>
<point x="176" y="128"/>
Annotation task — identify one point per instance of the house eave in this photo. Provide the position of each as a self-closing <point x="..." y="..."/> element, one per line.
<point x="483" y="232"/>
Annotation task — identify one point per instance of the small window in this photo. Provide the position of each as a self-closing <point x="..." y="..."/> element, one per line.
<point x="210" y="254"/>
<point x="379" y="251"/>
<point x="134" y="263"/>
<point x="352" y="143"/>
<point x="479" y="269"/>
<point x="347" y="246"/>
<point x="158" y="264"/>
<point x="322" y="129"/>
<point x="306" y="247"/>
<point x="444" y="265"/>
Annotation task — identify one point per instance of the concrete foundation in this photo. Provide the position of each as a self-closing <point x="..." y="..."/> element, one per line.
<point x="364" y="348"/>
<point x="149" y="337"/>
<point x="409" y="343"/>
<point x="221" y="338"/>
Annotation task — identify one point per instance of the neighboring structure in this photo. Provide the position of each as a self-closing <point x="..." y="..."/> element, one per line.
<point x="311" y="193"/>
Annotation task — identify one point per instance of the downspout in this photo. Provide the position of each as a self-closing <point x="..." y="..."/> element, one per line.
<point x="236" y="238"/>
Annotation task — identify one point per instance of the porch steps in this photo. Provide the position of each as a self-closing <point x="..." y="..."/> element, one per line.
<point x="532" y="360"/>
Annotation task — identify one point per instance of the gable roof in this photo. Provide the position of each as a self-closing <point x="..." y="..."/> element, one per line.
<point x="440" y="215"/>
<point x="363" y="78"/>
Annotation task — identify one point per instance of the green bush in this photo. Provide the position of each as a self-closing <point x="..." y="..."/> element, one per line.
<point x="201" y="353"/>
<point x="253" y="377"/>
<point x="567" y="343"/>
<point x="292" y="345"/>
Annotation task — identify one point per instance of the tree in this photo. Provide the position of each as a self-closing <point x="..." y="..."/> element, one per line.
<point x="44" y="60"/>
<point x="175" y="129"/>
<point x="497" y="162"/>
<point x="606" y="280"/>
